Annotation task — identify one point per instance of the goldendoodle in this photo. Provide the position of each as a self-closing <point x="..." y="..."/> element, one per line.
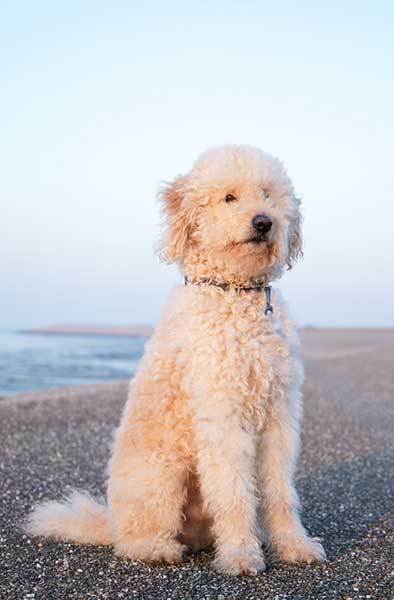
<point x="207" y="444"/>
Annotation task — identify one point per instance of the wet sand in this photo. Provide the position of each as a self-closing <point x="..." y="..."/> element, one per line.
<point x="51" y="440"/>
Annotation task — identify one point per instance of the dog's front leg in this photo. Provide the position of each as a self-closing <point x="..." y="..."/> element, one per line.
<point x="226" y="467"/>
<point x="277" y="453"/>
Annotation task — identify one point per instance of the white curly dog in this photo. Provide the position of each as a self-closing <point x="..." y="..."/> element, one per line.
<point x="207" y="444"/>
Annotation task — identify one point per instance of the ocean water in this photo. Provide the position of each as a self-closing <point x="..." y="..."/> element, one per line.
<point x="30" y="362"/>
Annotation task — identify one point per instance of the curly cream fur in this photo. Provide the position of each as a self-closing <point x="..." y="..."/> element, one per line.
<point x="209" y="436"/>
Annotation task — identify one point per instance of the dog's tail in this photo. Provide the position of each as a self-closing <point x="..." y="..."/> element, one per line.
<point x="78" y="518"/>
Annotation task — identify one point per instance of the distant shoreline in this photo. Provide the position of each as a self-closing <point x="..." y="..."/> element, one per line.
<point x="146" y="331"/>
<point x="133" y="331"/>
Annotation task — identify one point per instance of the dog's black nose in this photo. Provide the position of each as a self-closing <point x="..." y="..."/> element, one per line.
<point x="262" y="223"/>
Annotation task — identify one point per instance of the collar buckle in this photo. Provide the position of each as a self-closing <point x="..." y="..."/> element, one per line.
<point x="269" y="309"/>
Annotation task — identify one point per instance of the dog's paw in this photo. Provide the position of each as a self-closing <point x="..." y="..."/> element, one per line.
<point x="151" y="550"/>
<point x="238" y="561"/>
<point x="171" y="552"/>
<point x="302" y="550"/>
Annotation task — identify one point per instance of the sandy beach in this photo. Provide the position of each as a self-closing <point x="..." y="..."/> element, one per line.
<point x="51" y="440"/>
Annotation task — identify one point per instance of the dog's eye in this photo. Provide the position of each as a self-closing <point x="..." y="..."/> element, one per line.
<point x="230" y="198"/>
<point x="266" y="194"/>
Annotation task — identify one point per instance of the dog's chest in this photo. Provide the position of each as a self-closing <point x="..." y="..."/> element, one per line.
<point x="263" y="355"/>
<point x="260" y="337"/>
<point x="250" y="350"/>
<point x="237" y="330"/>
<point x="231" y="343"/>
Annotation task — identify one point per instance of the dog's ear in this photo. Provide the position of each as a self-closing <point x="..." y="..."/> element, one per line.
<point x="178" y="216"/>
<point x="295" y="235"/>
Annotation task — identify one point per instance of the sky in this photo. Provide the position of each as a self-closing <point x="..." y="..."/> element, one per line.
<point x="102" y="101"/>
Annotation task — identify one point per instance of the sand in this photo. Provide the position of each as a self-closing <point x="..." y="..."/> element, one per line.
<point x="61" y="438"/>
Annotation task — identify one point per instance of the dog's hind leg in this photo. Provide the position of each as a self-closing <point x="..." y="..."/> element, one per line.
<point x="145" y="505"/>
<point x="146" y="487"/>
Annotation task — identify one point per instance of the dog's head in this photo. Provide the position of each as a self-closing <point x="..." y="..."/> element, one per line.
<point x="233" y="217"/>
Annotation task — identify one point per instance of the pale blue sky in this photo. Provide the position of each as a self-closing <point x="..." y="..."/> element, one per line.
<point x="100" y="101"/>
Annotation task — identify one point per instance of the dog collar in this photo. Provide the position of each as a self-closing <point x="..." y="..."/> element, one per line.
<point x="258" y="287"/>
